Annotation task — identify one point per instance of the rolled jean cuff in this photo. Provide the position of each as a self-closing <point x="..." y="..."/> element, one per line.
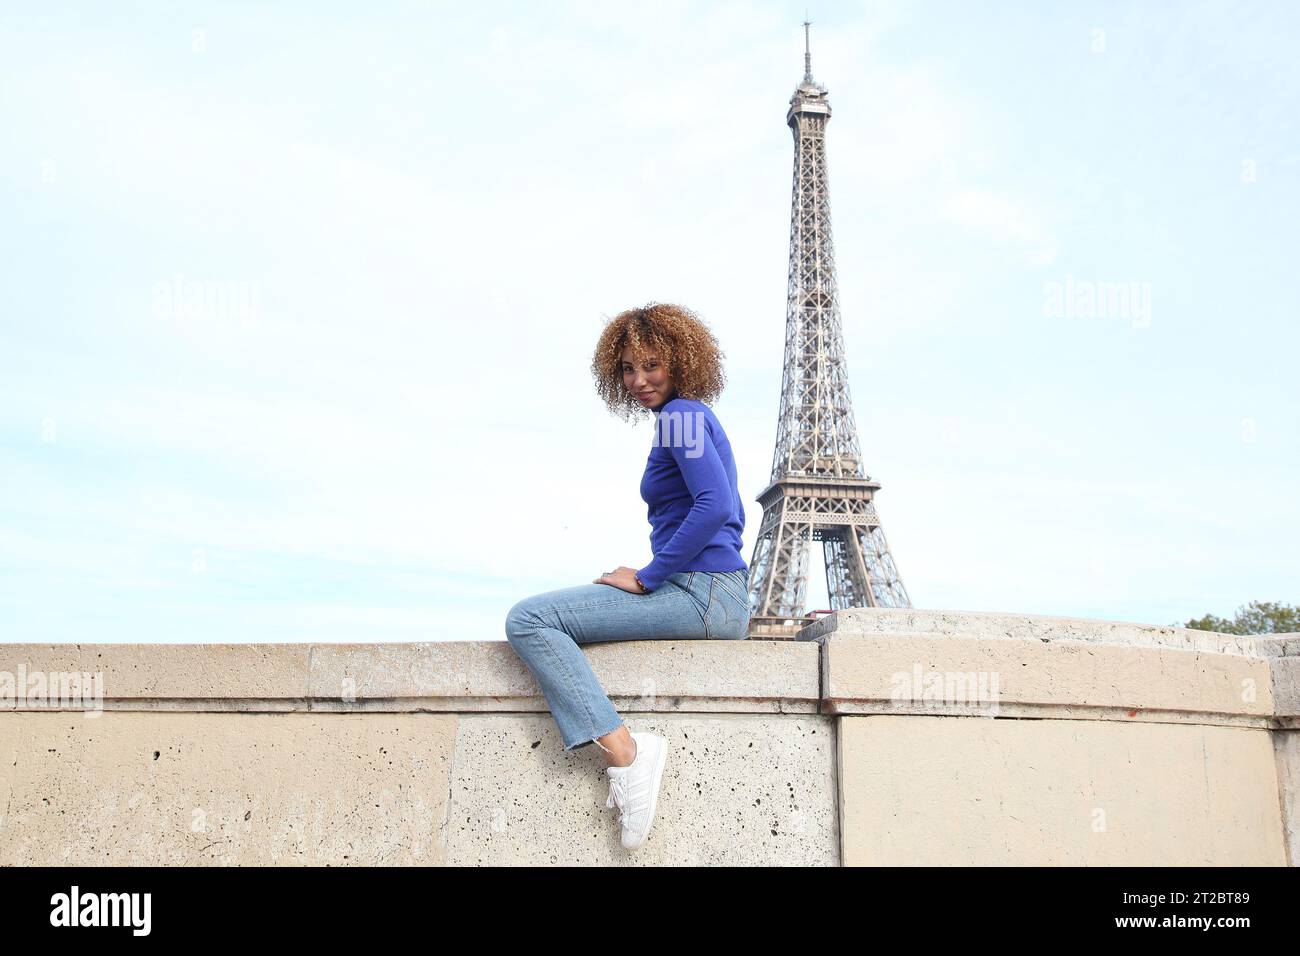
<point x="593" y="739"/>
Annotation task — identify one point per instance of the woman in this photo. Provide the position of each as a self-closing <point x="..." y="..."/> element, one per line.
<point x="664" y="359"/>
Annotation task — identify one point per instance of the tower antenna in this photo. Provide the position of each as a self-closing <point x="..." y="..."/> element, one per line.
<point x="807" y="56"/>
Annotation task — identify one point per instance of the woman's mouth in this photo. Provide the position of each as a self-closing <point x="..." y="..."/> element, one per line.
<point x="646" y="396"/>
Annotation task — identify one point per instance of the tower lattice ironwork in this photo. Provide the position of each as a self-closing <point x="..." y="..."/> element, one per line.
<point x="819" y="490"/>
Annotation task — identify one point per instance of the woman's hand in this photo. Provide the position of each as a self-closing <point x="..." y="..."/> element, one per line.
<point x="620" y="577"/>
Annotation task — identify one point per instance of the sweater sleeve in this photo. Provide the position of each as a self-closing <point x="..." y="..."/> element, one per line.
<point x="706" y="478"/>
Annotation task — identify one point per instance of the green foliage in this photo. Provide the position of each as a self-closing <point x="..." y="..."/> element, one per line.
<point x="1257" y="617"/>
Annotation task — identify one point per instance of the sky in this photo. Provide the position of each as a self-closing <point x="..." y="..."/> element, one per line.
<point x="299" y="300"/>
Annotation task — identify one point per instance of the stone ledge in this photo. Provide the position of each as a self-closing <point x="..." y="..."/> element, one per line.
<point x="1057" y="667"/>
<point x="1278" y="645"/>
<point x="879" y="672"/>
<point x="845" y="663"/>
<point x="707" y="676"/>
<point x="997" y="625"/>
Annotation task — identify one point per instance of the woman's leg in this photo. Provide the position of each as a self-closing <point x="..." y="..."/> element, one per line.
<point x="546" y="630"/>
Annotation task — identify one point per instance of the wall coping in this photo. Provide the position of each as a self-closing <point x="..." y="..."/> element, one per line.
<point x="997" y="625"/>
<point x="1052" y="667"/>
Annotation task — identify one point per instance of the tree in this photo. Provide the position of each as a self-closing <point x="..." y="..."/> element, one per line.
<point x="1257" y="617"/>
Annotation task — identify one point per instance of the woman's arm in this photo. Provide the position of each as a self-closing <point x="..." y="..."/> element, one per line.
<point x="706" y="478"/>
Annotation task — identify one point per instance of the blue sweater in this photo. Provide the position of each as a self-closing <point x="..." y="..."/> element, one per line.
<point x="696" y="516"/>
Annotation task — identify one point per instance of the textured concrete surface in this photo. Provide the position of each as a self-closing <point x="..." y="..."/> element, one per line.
<point x="999" y="626"/>
<point x="1283" y="654"/>
<point x="1280" y="645"/>
<point x="878" y="673"/>
<point x="1175" y="746"/>
<point x="223" y="674"/>
<point x="1286" y="750"/>
<point x="987" y="792"/>
<point x="642" y="675"/>
<point x="749" y="676"/>
<point x="223" y="789"/>
<point x="737" y="790"/>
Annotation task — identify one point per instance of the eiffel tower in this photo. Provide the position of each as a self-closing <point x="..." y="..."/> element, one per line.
<point x="818" y="490"/>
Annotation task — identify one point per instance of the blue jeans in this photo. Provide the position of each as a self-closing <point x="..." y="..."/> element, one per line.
<point x="547" y="629"/>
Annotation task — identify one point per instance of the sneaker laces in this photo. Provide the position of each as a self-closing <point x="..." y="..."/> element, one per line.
<point x="618" y="796"/>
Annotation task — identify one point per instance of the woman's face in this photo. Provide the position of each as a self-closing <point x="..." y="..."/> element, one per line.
<point x="646" y="378"/>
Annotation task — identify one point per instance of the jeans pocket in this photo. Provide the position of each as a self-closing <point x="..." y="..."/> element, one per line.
<point x="734" y="585"/>
<point x="727" y="618"/>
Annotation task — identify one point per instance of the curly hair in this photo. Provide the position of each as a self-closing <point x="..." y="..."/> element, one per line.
<point x="677" y="336"/>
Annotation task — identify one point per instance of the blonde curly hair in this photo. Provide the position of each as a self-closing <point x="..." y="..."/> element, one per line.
<point x="673" y="333"/>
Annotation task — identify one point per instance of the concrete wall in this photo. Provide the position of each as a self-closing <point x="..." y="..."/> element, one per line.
<point x="878" y="737"/>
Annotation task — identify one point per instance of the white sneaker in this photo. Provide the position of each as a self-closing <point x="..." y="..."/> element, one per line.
<point x="634" y="789"/>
